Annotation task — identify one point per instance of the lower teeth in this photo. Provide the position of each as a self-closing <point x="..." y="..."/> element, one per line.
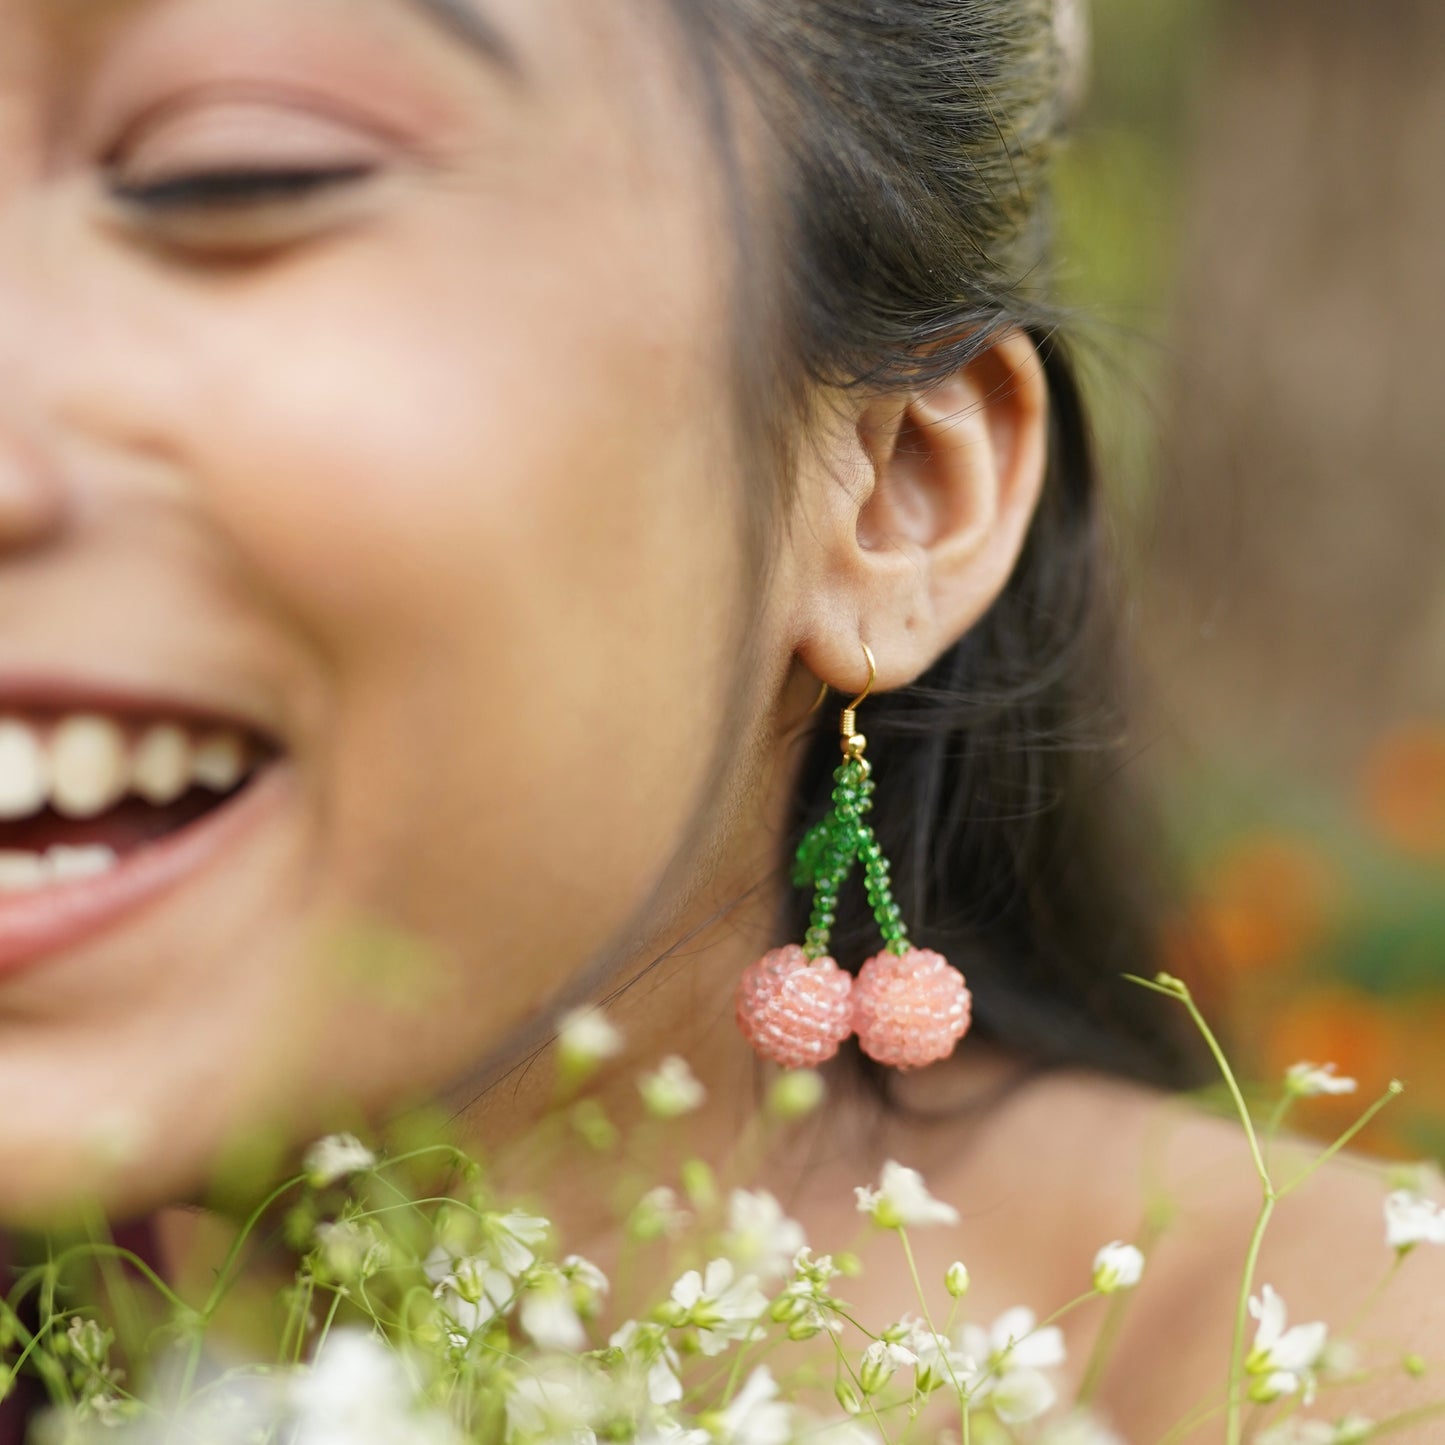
<point x="25" y="872"/>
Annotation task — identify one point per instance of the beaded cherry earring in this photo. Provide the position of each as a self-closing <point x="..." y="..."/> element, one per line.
<point x="909" y="1006"/>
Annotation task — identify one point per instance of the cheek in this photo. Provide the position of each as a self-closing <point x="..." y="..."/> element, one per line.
<point x="498" y="519"/>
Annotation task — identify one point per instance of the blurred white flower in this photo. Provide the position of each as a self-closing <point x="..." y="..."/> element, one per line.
<point x="755" y="1416"/>
<point x="1079" y="1427"/>
<point x="1283" y="1358"/>
<point x="760" y="1238"/>
<point x="586" y="1038"/>
<point x="357" y="1391"/>
<point x="902" y="1200"/>
<point x="547" y="1312"/>
<point x="671" y="1090"/>
<point x="657" y="1214"/>
<point x="1020" y="1395"/>
<point x="556" y="1401"/>
<point x="1305" y="1080"/>
<point x="645" y="1348"/>
<point x="719" y="1306"/>
<point x="1412" y="1219"/>
<point x="1349" y="1429"/>
<point x="334" y="1157"/>
<point x="838" y="1432"/>
<point x="350" y="1250"/>
<point x="1117" y="1266"/>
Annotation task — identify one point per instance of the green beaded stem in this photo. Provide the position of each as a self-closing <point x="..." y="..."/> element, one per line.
<point x="826" y="856"/>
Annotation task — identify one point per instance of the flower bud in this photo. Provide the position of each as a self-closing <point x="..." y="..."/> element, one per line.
<point x="796" y="1094"/>
<point x="843" y="1392"/>
<point x="881" y="1361"/>
<point x="791" y="1305"/>
<point x="1117" y="1266"/>
<point x="699" y="1184"/>
<point x="956" y="1280"/>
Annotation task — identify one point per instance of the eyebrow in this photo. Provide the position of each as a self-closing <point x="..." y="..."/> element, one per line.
<point x="474" y="29"/>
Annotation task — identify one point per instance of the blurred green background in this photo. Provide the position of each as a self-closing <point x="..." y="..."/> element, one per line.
<point x="1252" y="229"/>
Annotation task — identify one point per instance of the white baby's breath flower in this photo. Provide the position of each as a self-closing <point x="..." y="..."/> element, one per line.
<point x="938" y="1361"/>
<point x="755" y="1416"/>
<point x="671" y="1090"/>
<point x="760" y="1238"/>
<point x="881" y="1361"/>
<point x="1004" y="1363"/>
<point x="902" y="1200"/>
<point x="586" y="1038"/>
<point x="335" y="1157"/>
<point x="1283" y="1359"/>
<point x="718" y="1305"/>
<point x="1305" y="1080"/>
<point x="511" y="1239"/>
<point x="587" y="1281"/>
<point x="1412" y="1219"/>
<point x="955" y="1279"/>
<point x="1117" y="1266"/>
<point x="1015" y="1340"/>
<point x="471" y="1289"/>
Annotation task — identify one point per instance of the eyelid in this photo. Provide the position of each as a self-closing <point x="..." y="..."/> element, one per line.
<point x="236" y="133"/>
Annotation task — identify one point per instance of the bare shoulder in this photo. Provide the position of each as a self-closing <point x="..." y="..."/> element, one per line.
<point x="1323" y="1251"/>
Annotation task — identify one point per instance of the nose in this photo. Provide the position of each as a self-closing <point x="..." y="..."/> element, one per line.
<point x="32" y="501"/>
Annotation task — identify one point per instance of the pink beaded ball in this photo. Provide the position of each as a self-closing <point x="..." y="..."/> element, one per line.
<point x="910" y="1009"/>
<point x="795" y="1010"/>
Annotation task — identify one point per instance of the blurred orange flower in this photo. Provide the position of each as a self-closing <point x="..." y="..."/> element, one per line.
<point x="1337" y="1025"/>
<point x="1265" y="901"/>
<point x="1403" y="787"/>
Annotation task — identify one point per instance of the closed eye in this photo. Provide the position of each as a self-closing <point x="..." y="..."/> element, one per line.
<point x="234" y="189"/>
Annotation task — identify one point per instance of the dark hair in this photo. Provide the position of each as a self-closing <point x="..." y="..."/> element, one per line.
<point x="903" y="227"/>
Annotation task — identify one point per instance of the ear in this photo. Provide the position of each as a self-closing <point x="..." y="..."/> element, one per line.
<point x="909" y="560"/>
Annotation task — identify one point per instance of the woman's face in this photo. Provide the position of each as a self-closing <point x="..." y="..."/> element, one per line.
<point x="417" y="473"/>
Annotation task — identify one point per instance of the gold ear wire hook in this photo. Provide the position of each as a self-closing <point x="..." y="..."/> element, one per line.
<point x="853" y="741"/>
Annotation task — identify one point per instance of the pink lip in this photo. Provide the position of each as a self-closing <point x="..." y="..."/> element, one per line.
<point x="22" y="691"/>
<point x="34" y="926"/>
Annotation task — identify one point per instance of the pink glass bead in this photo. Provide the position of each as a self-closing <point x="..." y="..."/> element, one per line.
<point x="910" y="1010"/>
<point x="793" y="1010"/>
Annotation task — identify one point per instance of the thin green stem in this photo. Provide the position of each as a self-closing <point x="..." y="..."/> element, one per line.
<point x="1392" y="1092"/>
<point x="1236" y="1357"/>
<point x="945" y="1352"/>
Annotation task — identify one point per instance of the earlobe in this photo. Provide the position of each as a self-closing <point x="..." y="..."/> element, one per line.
<point x="957" y="470"/>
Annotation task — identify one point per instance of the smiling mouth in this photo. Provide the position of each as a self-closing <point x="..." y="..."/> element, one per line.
<point x="100" y="812"/>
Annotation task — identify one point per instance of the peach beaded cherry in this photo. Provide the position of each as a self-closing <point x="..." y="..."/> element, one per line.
<point x="795" y="1010"/>
<point x="910" y="1009"/>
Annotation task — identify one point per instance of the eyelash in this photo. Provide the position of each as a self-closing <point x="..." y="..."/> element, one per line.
<point x="235" y="189"/>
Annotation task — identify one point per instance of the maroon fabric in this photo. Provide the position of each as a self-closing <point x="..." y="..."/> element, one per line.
<point x="28" y="1396"/>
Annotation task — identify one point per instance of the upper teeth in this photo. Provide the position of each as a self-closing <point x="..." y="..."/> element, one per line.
<point x="86" y="764"/>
